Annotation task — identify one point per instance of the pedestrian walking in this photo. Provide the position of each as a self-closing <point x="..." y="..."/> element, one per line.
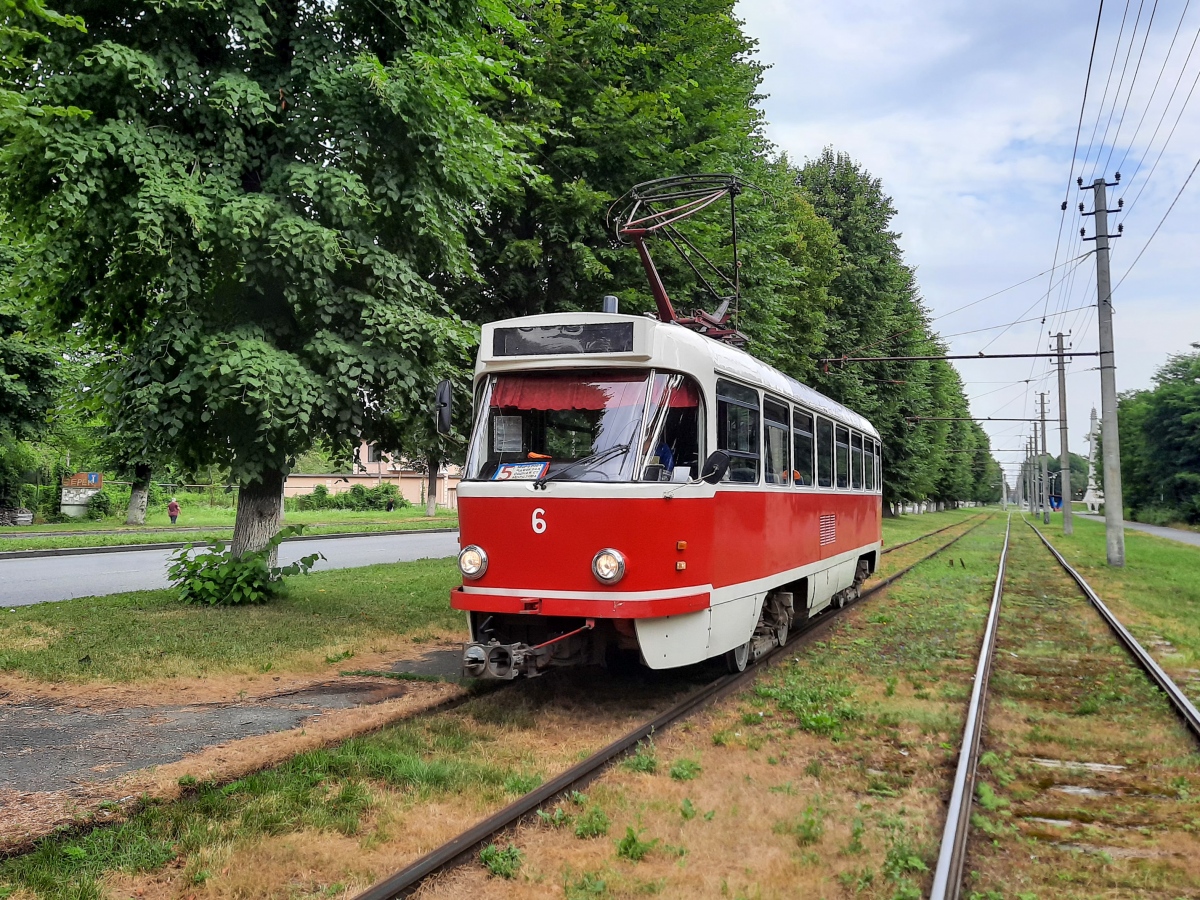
<point x="173" y="510"/>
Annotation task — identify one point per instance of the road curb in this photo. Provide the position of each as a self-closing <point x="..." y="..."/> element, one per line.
<point x="130" y="548"/>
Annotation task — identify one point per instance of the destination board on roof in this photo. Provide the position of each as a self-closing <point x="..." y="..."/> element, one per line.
<point x="84" y="480"/>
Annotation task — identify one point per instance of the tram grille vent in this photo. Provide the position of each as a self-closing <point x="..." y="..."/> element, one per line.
<point x="828" y="530"/>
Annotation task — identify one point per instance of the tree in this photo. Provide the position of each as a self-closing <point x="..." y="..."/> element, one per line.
<point x="1160" y="441"/>
<point x="253" y="210"/>
<point x="28" y="388"/>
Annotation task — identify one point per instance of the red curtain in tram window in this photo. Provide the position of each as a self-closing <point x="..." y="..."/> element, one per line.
<point x="569" y="391"/>
<point x="685" y="395"/>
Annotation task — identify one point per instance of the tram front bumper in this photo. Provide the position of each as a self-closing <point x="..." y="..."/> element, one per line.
<point x="642" y="605"/>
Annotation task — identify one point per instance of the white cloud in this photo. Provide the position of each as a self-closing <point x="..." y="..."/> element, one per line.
<point x="968" y="113"/>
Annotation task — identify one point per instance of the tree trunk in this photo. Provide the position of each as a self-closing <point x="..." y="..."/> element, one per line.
<point x="434" y="461"/>
<point x="139" y="495"/>
<point x="259" y="512"/>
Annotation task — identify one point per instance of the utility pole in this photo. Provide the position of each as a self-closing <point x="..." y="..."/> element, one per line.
<point x="1029" y="474"/>
<point x="1064" y="450"/>
<point x="1045" y="462"/>
<point x="1114" y="504"/>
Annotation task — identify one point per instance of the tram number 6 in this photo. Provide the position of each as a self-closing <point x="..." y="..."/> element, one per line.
<point x="539" y="523"/>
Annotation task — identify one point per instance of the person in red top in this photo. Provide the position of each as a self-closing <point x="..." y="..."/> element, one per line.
<point x="173" y="510"/>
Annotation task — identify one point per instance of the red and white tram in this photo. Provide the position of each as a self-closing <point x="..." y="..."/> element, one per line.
<point x="635" y="485"/>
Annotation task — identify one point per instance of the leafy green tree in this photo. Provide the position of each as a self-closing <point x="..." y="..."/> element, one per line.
<point x="1160" y="441"/>
<point x="28" y="389"/>
<point x="254" y="209"/>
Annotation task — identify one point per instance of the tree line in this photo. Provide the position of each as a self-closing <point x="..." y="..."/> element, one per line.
<point x="243" y="229"/>
<point x="1160" y="444"/>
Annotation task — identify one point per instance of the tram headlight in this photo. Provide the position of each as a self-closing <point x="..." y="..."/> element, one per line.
<point x="472" y="562"/>
<point x="608" y="566"/>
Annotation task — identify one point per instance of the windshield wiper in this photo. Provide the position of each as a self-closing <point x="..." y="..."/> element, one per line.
<point x="597" y="457"/>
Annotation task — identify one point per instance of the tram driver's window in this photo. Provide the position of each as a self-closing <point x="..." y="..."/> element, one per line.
<point x="824" y="453"/>
<point x="775" y="416"/>
<point x="856" y="461"/>
<point x="737" y="430"/>
<point x="802" y="448"/>
<point x="841" y="443"/>
<point x="672" y="450"/>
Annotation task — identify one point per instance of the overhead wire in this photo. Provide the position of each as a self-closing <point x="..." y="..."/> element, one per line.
<point x="1120" y="83"/>
<point x="1178" y="194"/>
<point x="1157" y="81"/>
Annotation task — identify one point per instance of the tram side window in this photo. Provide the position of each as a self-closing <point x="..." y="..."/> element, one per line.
<point x="856" y="461"/>
<point x="878" y="466"/>
<point x="824" y="453"/>
<point x="869" y="463"/>
<point x="841" y="444"/>
<point x="775" y="417"/>
<point x="737" y="430"/>
<point x="802" y="449"/>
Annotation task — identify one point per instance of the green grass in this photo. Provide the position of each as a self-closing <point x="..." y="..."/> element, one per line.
<point x="907" y="528"/>
<point x="218" y="526"/>
<point x="147" y="634"/>
<point x="329" y="790"/>
<point x="1156" y="594"/>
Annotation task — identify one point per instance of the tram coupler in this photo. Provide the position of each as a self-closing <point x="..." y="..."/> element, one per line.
<point x="505" y="662"/>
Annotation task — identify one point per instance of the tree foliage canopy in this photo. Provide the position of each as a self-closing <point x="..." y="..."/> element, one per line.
<point x="1160" y="442"/>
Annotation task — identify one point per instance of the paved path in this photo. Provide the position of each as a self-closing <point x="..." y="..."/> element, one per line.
<point x="1172" y="534"/>
<point x="27" y="581"/>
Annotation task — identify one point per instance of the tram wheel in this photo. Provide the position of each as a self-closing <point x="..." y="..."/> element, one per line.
<point x="781" y="634"/>
<point x="737" y="658"/>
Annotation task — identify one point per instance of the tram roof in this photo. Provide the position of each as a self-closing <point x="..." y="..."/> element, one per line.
<point x="655" y="339"/>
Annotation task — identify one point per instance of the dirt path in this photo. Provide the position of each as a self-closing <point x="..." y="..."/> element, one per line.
<point x="70" y="756"/>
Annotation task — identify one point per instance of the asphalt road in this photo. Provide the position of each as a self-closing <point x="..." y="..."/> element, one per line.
<point x="1171" y="534"/>
<point x="27" y="581"/>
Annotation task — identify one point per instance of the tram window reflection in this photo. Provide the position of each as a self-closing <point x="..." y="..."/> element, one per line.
<point x="737" y="430"/>
<point x="672" y="446"/>
<point x="802" y="448"/>
<point x="824" y="453"/>
<point x="775" y="415"/>
<point x="841" y="441"/>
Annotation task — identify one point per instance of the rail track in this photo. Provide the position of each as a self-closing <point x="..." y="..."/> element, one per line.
<point x="462" y="849"/>
<point x="895" y="547"/>
<point x="948" y="874"/>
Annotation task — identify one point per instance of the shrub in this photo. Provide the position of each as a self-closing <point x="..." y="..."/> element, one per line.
<point x="359" y="497"/>
<point x="592" y="822"/>
<point x="100" y="505"/>
<point x="218" y="578"/>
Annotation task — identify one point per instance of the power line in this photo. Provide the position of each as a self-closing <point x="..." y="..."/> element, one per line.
<point x="1120" y="82"/>
<point x="1159" y="225"/>
<point x="1154" y="90"/>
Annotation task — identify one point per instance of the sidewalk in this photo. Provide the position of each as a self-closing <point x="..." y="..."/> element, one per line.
<point x="1171" y="534"/>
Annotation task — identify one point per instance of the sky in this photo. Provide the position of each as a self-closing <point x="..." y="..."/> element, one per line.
<point x="968" y="113"/>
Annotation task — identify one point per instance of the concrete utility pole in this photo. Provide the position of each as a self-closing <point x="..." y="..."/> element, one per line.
<point x="1064" y="450"/>
<point x="1029" y="494"/>
<point x="1045" y="460"/>
<point x="1114" y="504"/>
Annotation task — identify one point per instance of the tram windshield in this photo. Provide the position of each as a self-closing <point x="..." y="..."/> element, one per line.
<point x="610" y="425"/>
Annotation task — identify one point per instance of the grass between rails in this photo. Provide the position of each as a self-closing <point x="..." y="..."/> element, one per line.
<point x="150" y="634"/>
<point x="1156" y="595"/>
<point x="825" y="779"/>
<point x="1064" y="690"/>
<point x="910" y="527"/>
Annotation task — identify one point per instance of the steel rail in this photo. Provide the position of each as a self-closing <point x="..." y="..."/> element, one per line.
<point x="947" y="876"/>
<point x="896" y="547"/>
<point x="456" y="851"/>
<point x="1187" y="711"/>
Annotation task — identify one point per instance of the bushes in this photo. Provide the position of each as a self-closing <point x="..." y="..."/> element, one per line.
<point x="100" y="505"/>
<point x="218" y="578"/>
<point x="359" y="497"/>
